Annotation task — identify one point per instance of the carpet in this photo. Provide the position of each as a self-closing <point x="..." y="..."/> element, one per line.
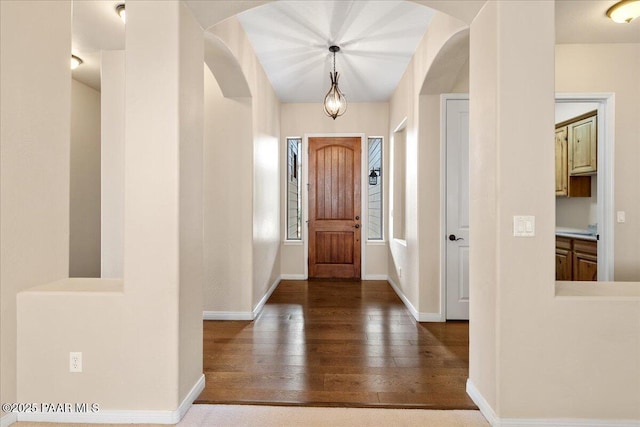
<point x="285" y="416"/>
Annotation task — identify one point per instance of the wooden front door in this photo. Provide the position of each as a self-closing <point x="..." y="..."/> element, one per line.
<point x="334" y="208"/>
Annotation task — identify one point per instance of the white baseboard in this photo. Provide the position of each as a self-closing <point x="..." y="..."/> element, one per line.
<point x="120" y="417"/>
<point x="376" y="277"/>
<point x="266" y="296"/>
<point x="488" y="412"/>
<point x="420" y="317"/>
<point x="404" y="299"/>
<point x="293" y="277"/>
<point x="431" y="317"/>
<point x="242" y="315"/>
<point x="486" y="409"/>
<point x="190" y="398"/>
<point x="227" y="315"/>
<point x="7" y="419"/>
<point x="565" y="422"/>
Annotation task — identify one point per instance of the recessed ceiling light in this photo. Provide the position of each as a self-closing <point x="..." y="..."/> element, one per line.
<point x="75" y="62"/>
<point x="122" y="13"/>
<point x="624" y="11"/>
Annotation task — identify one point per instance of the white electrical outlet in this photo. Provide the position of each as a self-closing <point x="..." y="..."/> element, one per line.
<point x="75" y="361"/>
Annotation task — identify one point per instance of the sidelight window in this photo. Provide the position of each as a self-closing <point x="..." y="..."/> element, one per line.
<point x="294" y="199"/>
<point x="374" y="188"/>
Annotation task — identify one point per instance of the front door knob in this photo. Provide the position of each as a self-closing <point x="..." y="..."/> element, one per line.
<point x="357" y="225"/>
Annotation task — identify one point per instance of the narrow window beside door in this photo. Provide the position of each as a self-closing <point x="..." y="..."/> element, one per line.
<point x="374" y="191"/>
<point x="294" y="211"/>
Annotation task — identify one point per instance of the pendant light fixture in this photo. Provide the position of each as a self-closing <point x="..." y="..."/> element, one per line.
<point x="335" y="103"/>
<point x="624" y="11"/>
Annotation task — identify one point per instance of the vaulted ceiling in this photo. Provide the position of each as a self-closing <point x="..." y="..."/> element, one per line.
<point x="291" y="38"/>
<point x="376" y="38"/>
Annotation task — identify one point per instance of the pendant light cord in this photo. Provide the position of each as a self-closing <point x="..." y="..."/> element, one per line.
<point x="334" y="63"/>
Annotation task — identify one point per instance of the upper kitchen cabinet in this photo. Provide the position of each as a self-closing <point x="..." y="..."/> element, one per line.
<point x="576" y="155"/>
<point x="561" y="162"/>
<point x="583" y="146"/>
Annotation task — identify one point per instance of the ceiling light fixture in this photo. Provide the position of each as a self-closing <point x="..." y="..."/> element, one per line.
<point x="624" y="11"/>
<point x="335" y="103"/>
<point x="122" y="13"/>
<point x="75" y="62"/>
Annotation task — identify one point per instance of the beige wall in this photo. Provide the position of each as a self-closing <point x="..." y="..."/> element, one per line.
<point x="191" y="226"/>
<point x="242" y="187"/>
<point x="59" y="318"/>
<point x="419" y="258"/>
<point x="227" y="196"/>
<point x="533" y="354"/>
<point x="266" y="182"/>
<point x="141" y="340"/>
<point x="112" y="75"/>
<point x="297" y="120"/>
<point x="484" y="321"/>
<point x="613" y="68"/>
<point x="84" y="193"/>
<point x="35" y="102"/>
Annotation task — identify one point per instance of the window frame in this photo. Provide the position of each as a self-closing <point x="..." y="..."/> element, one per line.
<point x="297" y="174"/>
<point x="381" y="239"/>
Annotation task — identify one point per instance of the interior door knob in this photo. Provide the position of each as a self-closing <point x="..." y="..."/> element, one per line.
<point x="453" y="238"/>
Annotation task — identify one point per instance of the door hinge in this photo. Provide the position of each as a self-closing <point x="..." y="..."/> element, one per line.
<point x="307" y="186"/>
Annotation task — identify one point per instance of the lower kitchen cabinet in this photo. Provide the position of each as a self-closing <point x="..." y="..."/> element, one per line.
<point x="585" y="260"/>
<point x="576" y="259"/>
<point x="564" y="258"/>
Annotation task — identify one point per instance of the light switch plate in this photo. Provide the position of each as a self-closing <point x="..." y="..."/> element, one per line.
<point x="620" y="217"/>
<point x="524" y="226"/>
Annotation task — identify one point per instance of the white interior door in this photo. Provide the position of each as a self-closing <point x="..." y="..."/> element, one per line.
<point x="457" y="208"/>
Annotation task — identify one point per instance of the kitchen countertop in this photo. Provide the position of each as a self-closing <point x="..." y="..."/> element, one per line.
<point x="575" y="233"/>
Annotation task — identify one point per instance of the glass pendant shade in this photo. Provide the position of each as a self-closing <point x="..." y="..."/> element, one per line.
<point x="335" y="103"/>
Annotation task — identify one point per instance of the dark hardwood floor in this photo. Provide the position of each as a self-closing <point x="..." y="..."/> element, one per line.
<point x="326" y="343"/>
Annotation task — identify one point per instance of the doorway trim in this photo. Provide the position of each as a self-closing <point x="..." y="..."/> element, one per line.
<point x="606" y="159"/>
<point x="443" y="197"/>
<point x="305" y="195"/>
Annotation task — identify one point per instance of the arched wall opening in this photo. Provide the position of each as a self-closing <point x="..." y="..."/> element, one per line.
<point x="228" y="141"/>
<point x="241" y="154"/>
<point x="449" y="73"/>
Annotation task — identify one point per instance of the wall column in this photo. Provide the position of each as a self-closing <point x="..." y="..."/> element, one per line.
<point x="35" y="99"/>
<point x="511" y="173"/>
<point x="163" y="199"/>
<point x="112" y="162"/>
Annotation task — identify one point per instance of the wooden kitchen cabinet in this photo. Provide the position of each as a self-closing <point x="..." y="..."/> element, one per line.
<point x="564" y="258"/>
<point x="585" y="260"/>
<point x="575" y="144"/>
<point x="582" y="145"/>
<point x="562" y="174"/>
<point x="576" y="259"/>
